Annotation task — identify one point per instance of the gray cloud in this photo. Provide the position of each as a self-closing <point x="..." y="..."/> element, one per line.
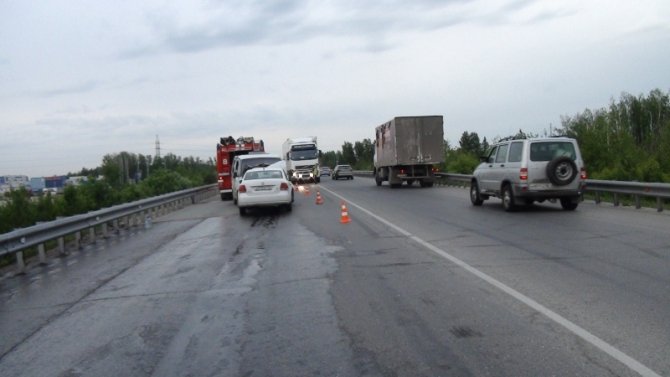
<point x="289" y="22"/>
<point x="83" y="87"/>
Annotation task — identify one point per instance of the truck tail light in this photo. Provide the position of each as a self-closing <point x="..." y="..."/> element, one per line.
<point x="582" y="173"/>
<point x="242" y="188"/>
<point x="523" y="174"/>
<point x="283" y="186"/>
<point x="435" y="170"/>
<point x="402" y="171"/>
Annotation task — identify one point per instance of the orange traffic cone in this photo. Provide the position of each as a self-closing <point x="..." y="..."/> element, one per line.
<point x="344" y="218"/>
<point x="319" y="198"/>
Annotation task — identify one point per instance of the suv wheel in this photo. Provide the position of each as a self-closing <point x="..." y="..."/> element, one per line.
<point x="569" y="204"/>
<point x="508" y="198"/>
<point x="475" y="198"/>
<point x="561" y="171"/>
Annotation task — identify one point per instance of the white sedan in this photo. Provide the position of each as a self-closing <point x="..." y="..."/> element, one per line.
<point x="264" y="187"/>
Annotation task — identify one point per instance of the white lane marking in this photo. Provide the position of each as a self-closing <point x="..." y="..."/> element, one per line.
<point x="631" y="363"/>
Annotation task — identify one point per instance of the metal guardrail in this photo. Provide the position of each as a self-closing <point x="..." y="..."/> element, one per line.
<point x="636" y="190"/>
<point x="135" y="213"/>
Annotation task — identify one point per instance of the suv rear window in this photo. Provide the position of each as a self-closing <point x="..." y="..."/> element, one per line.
<point x="549" y="150"/>
<point x="247" y="164"/>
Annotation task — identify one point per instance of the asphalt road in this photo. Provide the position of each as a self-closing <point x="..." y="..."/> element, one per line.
<point x="420" y="283"/>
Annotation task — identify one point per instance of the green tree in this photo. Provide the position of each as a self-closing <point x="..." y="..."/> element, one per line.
<point x="364" y="151"/>
<point x="328" y="159"/>
<point x="18" y="212"/>
<point x="348" y="154"/>
<point x="469" y="143"/>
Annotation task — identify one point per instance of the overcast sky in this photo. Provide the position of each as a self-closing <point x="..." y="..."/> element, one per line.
<point x="81" y="79"/>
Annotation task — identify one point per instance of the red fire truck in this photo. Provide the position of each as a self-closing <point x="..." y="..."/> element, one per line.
<point x="226" y="150"/>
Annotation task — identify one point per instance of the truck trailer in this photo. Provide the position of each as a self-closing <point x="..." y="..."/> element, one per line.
<point x="226" y="150"/>
<point x="302" y="159"/>
<point x="407" y="150"/>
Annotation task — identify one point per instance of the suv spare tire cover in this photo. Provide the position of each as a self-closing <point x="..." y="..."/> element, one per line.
<point x="561" y="171"/>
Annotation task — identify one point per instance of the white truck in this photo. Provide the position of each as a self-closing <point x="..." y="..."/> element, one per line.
<point x="407" y="150"/>
<point x="302" y="159"/>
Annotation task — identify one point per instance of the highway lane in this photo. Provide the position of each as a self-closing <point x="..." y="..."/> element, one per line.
<point x="604" y="268"/>
<point x="206" y="293"/>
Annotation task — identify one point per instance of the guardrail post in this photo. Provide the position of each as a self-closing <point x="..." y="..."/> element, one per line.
<point x="147" y="220"/>
<point x="61" y="245"/>
<point x="41" y="254"/>
<point x="598" y="197"/>
<point x="104" y="230"/>
<point x="659" y="204"/>
<point x="77" y="240"/>
<point x="20" y="264"/>
<point x="637" y="201"/>
<point x="616" y="199"/>
<point x="91" y="234"/>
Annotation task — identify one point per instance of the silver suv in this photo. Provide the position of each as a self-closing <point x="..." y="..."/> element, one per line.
<point x="528" y="170"/>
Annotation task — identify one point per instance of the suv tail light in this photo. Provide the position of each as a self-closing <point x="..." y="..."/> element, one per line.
<point x="242" y="188"/>
<point x="582" y="173"/>
<point x="523" y="174"/>
<point x="283" y="186"/>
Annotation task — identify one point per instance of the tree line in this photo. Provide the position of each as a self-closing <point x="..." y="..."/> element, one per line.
<point x="627" y="141"/>
<point x="123" y="177"/>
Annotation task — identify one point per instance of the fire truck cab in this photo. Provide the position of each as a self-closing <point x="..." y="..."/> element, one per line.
<point x="226" y="150"/>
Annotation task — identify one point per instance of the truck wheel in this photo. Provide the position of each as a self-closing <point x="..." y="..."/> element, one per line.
<point x="378" y="180"/>
<point x="409" y="182"/>
<point x="426" y="183"/>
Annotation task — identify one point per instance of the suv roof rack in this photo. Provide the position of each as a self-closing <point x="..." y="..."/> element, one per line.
<point x="513" y="138"/>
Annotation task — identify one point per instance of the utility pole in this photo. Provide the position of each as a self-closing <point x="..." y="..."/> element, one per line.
<point x="158" y="148"/>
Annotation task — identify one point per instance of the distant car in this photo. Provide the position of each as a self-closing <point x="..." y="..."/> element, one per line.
<point x="325" y="170"/>
<point x="523" y="171"/>
<point x="264" y="187"/>
<point x="343" y="171"/>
